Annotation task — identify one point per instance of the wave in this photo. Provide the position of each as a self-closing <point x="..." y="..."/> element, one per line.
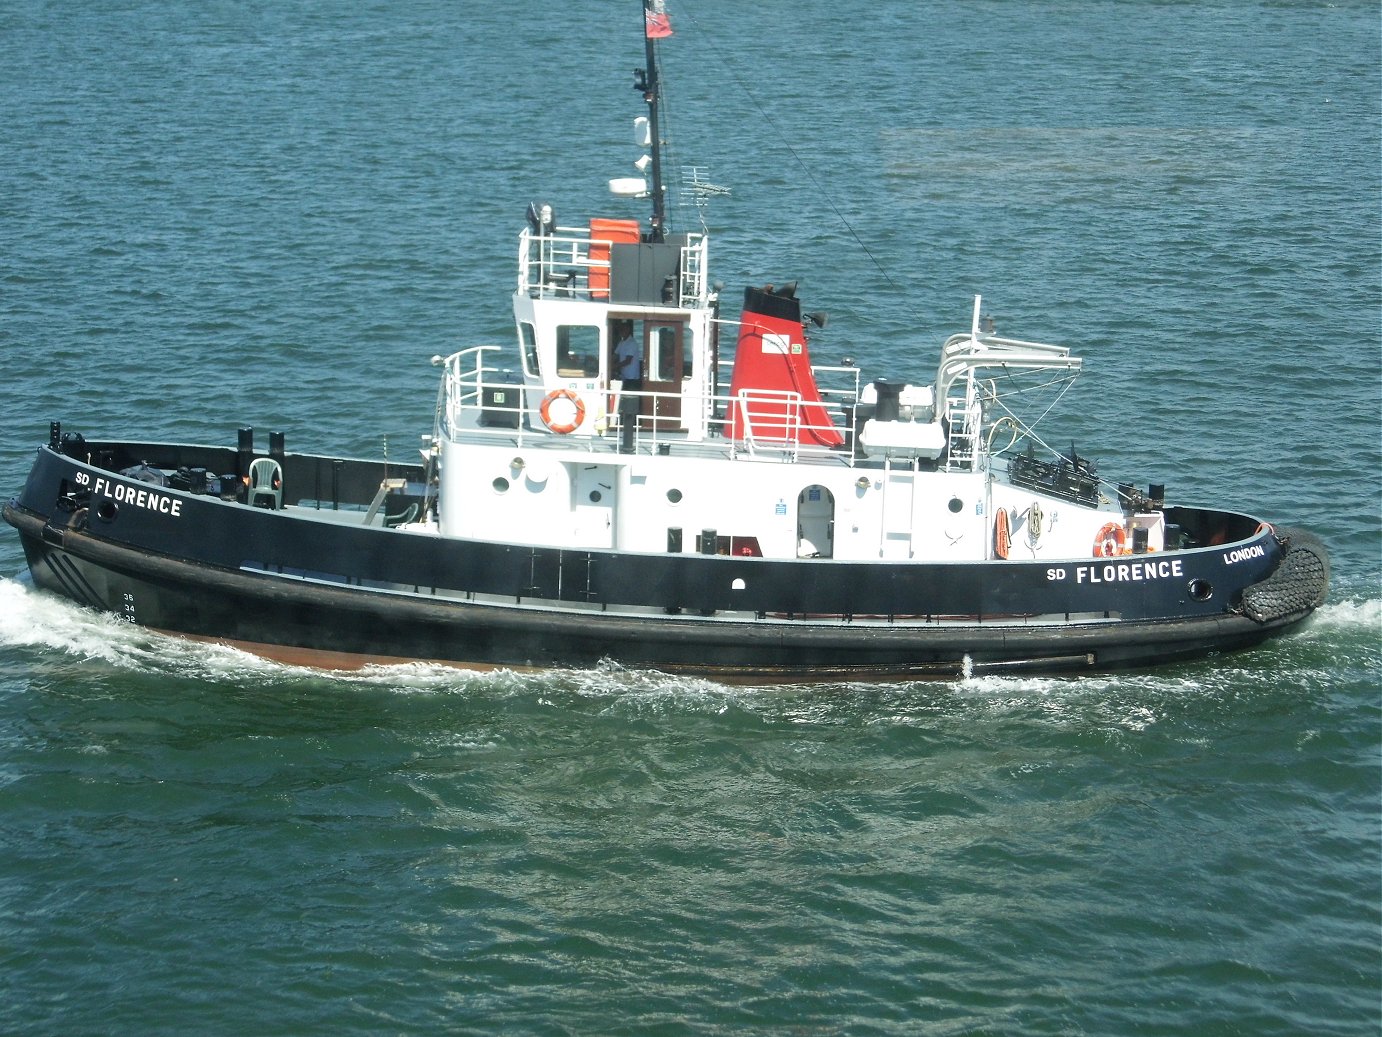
<point x="1341" y="636"/>
<point x="1364" y="614"/>
<point x="59" y="629"/>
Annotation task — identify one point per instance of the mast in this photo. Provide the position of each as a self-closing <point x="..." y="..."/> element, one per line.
<point x="655" y="27"/>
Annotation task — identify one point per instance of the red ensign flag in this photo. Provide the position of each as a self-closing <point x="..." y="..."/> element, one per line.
<point x="656" y="24"/>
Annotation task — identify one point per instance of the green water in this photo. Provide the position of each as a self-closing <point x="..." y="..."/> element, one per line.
<point x="275" y="214"/>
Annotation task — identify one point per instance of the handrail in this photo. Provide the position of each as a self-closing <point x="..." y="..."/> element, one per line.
<point x="965" y="354"/>
<point x="460" y="385"/>
<point x="780" y="433"/>
<point x="558" y="266"/>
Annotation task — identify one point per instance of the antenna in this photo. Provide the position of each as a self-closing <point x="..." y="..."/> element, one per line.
<point x="699" y="191"/>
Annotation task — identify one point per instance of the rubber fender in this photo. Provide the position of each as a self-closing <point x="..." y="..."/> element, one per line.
<point x="1299" y="584"/>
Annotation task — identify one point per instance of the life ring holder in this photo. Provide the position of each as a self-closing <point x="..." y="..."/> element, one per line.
<point x="1110" y="540"/>
<point x="562" y="428"/>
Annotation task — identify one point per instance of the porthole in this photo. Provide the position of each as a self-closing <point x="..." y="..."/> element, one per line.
<point x="501" y="485"/>
<point x="595" y="497"/>
<point x="107" y="510"/>
<point x="674" y="496"/>
<point x="1201" y="590"/>
<point x="956" y="505"/>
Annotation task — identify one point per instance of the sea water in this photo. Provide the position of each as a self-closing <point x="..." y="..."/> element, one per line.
<point x="271" y="214"/>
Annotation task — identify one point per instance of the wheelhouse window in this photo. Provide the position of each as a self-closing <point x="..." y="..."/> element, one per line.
<point x="578" y="351"/>
<point x="528" y="336"/>
<point x="686" y="337"/>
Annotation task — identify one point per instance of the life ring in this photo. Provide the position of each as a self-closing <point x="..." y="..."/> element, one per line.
<point x="1109" y="540"/>
<point x="562" y="428"/>
<point x="1002" y="541"/>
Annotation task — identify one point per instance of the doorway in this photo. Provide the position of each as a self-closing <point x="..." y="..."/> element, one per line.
<point x="815" y="523"/>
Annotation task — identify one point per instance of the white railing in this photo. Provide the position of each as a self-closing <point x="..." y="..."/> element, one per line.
<point x="560" y="266"/>
<point x="557" y="265"/>
<point x="693" y="271"/>
<point x="463" y="387"/>
<point x="770" y="420"/>
<point x="962" y="442"/>
<point x="478" y="399"/>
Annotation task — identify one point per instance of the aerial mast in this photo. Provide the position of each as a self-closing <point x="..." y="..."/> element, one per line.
<point x="656" y="26"/>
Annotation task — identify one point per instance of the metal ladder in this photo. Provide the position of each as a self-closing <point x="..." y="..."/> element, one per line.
<point x="960" y="444"/>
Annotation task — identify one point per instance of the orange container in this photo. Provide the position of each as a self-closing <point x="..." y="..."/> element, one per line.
<point x="604" y="233"/>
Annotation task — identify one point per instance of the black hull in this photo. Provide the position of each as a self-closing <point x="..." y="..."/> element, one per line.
<point x="342" y="627"/>
<point x="291" y="586"/>
<point x="337" y="627"/>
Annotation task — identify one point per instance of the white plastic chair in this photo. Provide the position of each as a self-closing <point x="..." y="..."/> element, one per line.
<point x="266" y="484"/>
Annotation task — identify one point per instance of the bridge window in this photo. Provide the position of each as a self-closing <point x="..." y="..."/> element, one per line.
<point x="578" y="351"/>
<point x="528" y="336"/>
<point x="686" y="338"/>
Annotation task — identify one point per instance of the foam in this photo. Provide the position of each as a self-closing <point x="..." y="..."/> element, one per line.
<point x="32" y="619"/>
<point x="1365" y="614"/>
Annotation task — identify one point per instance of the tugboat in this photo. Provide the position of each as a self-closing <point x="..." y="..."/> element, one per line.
<point x="647" y="482"/>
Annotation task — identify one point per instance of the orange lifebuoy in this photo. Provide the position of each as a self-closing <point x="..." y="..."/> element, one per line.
<point x="1109" y="540"/>
<point x="1002" y="541"/>
<point x="562" y="428"/>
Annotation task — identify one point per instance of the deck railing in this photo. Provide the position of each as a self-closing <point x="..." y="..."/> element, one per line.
<point x="571" y="264"/>
<point x="479" y="399"/>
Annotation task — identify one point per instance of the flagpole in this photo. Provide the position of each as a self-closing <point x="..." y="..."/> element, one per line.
<point x="650" y="95"/>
